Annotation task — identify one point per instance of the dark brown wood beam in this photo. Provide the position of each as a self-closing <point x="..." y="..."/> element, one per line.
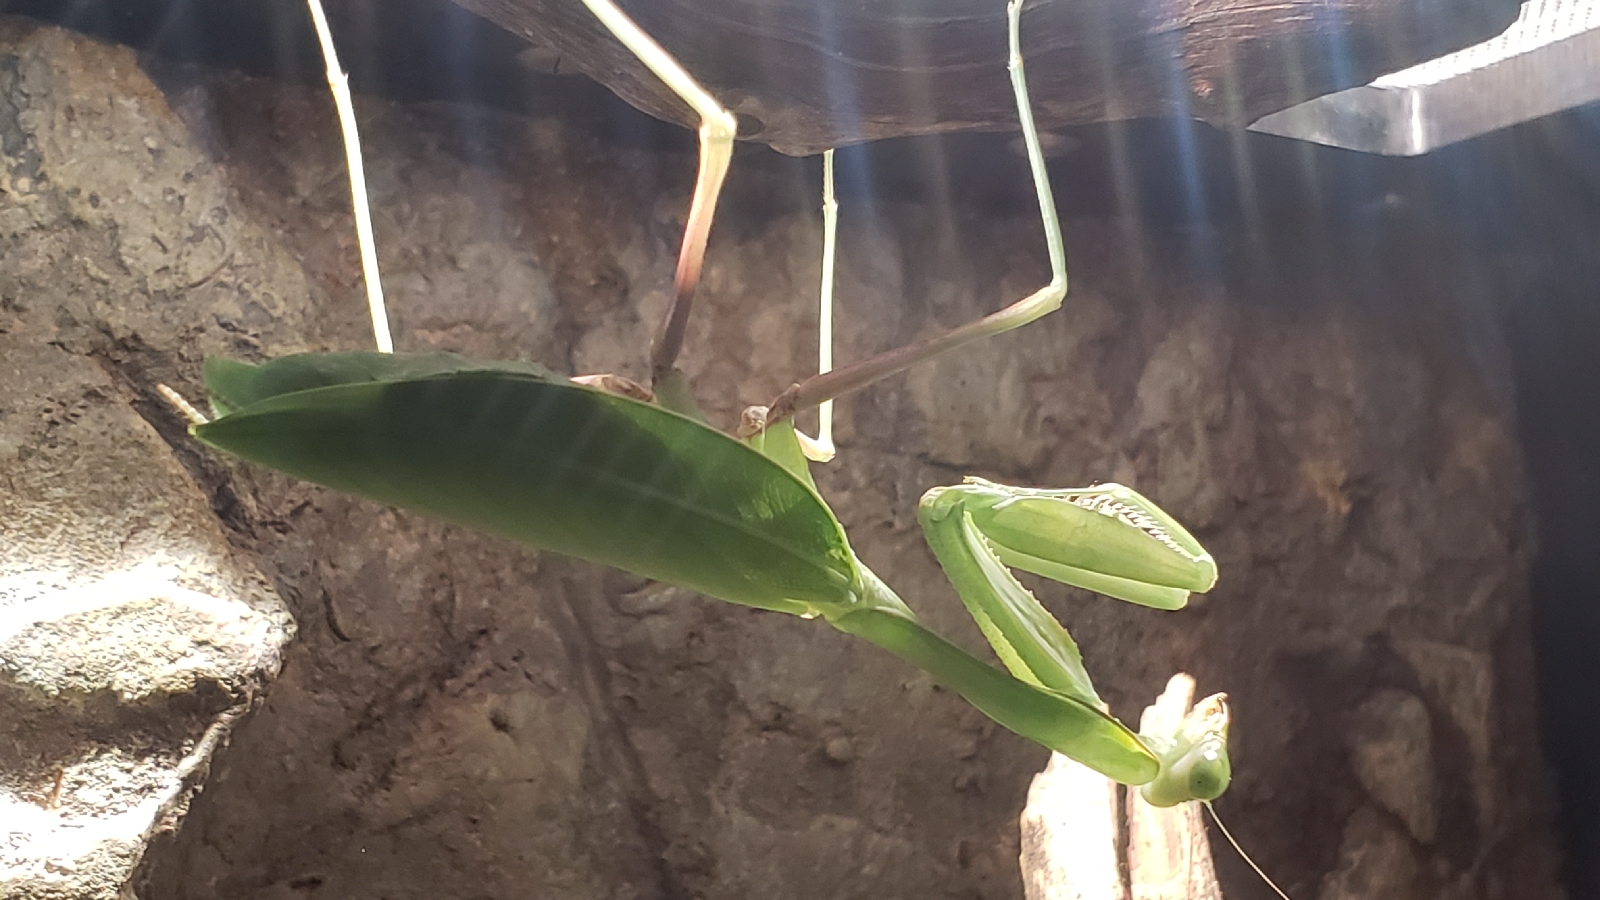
<point x="805" y="75"/>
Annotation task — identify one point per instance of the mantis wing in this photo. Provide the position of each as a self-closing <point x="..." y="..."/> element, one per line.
<point x="549" y="463"/>
<point x="234" y="385"/>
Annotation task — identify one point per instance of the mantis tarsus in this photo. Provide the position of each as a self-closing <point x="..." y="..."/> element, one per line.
<point x="561" y="466"/>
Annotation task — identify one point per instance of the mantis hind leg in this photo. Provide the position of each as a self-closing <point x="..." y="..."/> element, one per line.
<point x="717" y="130"/>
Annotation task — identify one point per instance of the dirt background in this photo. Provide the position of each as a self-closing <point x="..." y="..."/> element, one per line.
<point x="1323" y="398"/>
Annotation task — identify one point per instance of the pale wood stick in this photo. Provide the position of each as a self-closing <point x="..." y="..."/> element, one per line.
<point x="1069" y="835"/>
<point x="1169" y="857"/>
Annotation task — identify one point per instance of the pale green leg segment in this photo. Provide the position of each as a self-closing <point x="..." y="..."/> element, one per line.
<point x="1026" y="637"/>
<point x="827" y="385"/>
<point x="821" y="449"/>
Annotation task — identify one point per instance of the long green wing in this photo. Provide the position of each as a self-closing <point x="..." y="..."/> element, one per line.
<point x="234" y="385"/>
<point x="552" y="464"/>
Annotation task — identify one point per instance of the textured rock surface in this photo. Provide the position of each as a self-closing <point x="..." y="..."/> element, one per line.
<point x="1391" y="747"/>
<point x="131" y="632"/>
<point x="459" y="717"/>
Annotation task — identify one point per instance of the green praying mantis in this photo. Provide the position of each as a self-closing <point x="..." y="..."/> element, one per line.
<point x="511" y="450"/>
<point x="651" y="488"/>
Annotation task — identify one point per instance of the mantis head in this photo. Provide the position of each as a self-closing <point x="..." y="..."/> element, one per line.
<point x="1194" y="761"/>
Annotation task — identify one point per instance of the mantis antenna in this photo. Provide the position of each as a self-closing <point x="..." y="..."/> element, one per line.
<point x="339" y="84"/>
<point x="820" y="448"/>
<point x="1240" y="850"/>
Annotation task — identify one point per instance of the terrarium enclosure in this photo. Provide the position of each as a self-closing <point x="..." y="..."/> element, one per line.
<point x="1359" y="381"/>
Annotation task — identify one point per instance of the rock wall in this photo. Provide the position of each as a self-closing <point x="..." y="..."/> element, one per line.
<point x="461" y="718"/>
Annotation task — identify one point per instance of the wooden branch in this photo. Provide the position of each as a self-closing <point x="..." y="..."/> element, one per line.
<point x="1069" y="835"/>
<point x="1168" y="855"/>
<point x="805" y="76"/>
<point x="1070" y="830"/>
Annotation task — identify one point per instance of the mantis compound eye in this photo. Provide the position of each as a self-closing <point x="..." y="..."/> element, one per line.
<point x="1209" y="770"/>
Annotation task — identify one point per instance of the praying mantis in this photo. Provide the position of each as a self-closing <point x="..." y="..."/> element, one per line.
<point x="644" y="484"/>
